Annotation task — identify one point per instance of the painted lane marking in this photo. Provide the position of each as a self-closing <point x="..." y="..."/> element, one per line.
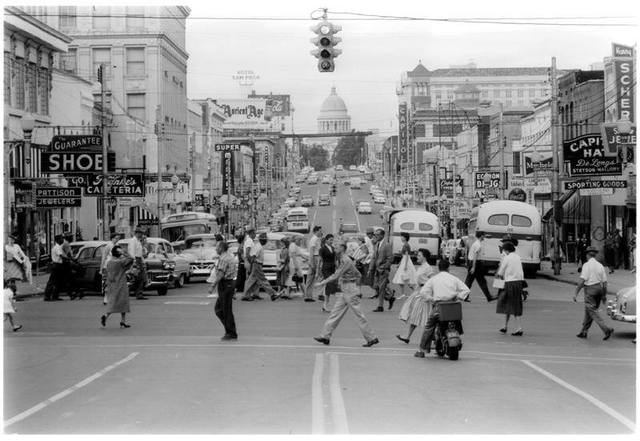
<point x="317" y="401"/>
<point x="602" y="406"/>
<point x="38" y="407"/>
<point x="339" y="412"/>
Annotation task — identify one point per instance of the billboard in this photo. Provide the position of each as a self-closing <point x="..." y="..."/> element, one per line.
<point x="279" y="105"/>
<point x="248" y="113"/>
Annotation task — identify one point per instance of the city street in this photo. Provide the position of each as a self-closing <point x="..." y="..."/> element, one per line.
<point x="170" y="373"/>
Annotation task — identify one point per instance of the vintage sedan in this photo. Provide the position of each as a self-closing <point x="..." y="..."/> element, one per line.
<point x="306" y="201"/>
<point x="162" y="247"/>
<point x="200" y="251"/>
<point x="88" y="253"/>
<point x="364" y="208"/>
<point x="623" y="308"/>
<point x="159" y="267"/>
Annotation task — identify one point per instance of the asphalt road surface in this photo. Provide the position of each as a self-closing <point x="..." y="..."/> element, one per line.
<point x="170" y="373"/>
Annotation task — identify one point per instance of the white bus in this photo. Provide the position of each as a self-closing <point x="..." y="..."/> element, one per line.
<point x="176" y="227"/>
<point x="298" y="219"/>
<point x="518" y="220"/>
<point x="422" y="226"/>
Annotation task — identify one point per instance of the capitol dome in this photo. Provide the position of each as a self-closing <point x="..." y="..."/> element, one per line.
<point x="333" y="117"/>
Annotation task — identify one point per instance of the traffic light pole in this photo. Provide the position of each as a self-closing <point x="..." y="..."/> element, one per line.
<point x="555" y="142"/>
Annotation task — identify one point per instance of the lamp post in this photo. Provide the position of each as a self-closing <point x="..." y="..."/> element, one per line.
<point x="175" y="180"/>
<point x="28" y="123"/>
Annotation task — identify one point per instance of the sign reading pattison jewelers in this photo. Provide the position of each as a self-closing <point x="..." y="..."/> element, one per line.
<point x="54" y="197"/>
<point x="586" y="157"/>
<point x="403" y="134"/>
<point x="75" y="142"/>
<point x="129" y="185"/>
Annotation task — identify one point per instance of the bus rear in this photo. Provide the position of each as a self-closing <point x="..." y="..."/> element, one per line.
<point x="176" y="227"/>
<point x="298" y="220"/>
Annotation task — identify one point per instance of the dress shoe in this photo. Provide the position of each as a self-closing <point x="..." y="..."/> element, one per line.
<point x="103" y="320"/>
<point x="247" y="299"/>
<point x="370" y="343"/>
<point x="274" y="296"/>
<point x="228" y="337"/>
<point x="467" y="300"/>
<point x="391" y="300"/>
<point x="324" y="341"/>
<point x="582" y="335"/>
<point x="399" y="337"/>
<point x="608" y="334"/>
<point x="124" y="325"/>
<point x="320" y="297"/>
<point x="325" y="309"/>
<point x="374" y="296"/>
<point x="17" y="328"/>
<point x="309" y="300"/>
<point x="503" y="330"/>
<point x="518" y="333"/>
<point x="491" y="299"/>
<point x="419" y="354"/>
<point x="379" y="309"/>
<point x="58" y="300"/>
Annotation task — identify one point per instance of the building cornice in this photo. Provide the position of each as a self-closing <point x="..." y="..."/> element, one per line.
<point x="164" y="37"/>
<point x="13" y="15"/>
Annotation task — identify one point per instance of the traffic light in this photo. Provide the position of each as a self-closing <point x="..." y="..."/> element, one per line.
<point x="325" y="42"/>
<point x="100" y="73"/>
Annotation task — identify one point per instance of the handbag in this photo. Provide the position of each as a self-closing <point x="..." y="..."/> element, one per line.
<point x="297" y="278"/>
<point x="498" y="283"/>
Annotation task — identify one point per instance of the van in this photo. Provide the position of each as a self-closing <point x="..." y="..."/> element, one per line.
<point x="518" y="220"/>
<point x="423" y="228"/>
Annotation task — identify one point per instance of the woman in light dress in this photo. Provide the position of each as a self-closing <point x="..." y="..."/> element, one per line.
<point x="415" y="310"/>
<point x="295" y="265"/>
<point x="17" y="265"/>
<point x="405" y="275"/>
<point x="283" y="269"/>
<point x="510" y="298"/>
<point x="9" y="299"/>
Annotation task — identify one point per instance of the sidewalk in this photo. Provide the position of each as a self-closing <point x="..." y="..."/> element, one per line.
<point x="569" y="274"/>
<point x="26" y="290"/>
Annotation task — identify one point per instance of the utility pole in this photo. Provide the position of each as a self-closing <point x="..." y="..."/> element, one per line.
<point x="159" y="136"/>
<point x="454" y="170"/>
<point x="555" y="143"/>
<point x="105" y="154"/>
<point x="502" y="141"/>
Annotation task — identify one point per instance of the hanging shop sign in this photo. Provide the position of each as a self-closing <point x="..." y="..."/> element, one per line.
<point x="56" y="197"/>
<point x="479" y="180"/>
<point x="579" y="185"/>
<point x="227" y="167"/>
<point x="403" y="134"/>
<point x="279" y="105"/>
<point x="585" y="156"/>
<point x="24" y="194"/>
<point x="615" y="142"/>
<point x="75" y="162"/>
<point x="543" y="166"/>
<point x="446" y="186"/>
<point x="75" y="142"/>
<point x="129" y="185"/>
<point x="228" y="147"/>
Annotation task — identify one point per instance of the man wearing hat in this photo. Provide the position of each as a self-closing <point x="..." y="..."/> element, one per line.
<point x="137" y="252"/>
<point x="257" y="279"/>
<point x="594" y="281"/>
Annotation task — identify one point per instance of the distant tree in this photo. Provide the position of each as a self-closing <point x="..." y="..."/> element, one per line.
<point x="349" y="151"/>
<point x="315" y="156"/>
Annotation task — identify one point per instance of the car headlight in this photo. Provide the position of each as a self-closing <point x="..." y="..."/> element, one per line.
<point x="169" y="265"/>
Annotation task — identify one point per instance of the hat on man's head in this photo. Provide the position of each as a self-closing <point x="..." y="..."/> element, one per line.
<point x="369" y="230"/>
<point x="13" y="236"/>
<point x="262" y="236"/>
<point x="251" y="230"/>
<point x="592" y="249"/>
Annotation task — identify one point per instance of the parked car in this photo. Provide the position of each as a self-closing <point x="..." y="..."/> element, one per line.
<point x="339" y="168"/>
<point x="324" y="200"/>
<point x="306" y="201"/>
<point x="379" y="199"/>
<point x="88" y="254"/>
<point x="159" y="267"/>
<point x="364" y="208"/>
<point x="291" y="202"/>
<point x="347" y="181"/>
<point x="296" y="190"/>
<point x="623" y="307"/>
<point x="157" y="245"/>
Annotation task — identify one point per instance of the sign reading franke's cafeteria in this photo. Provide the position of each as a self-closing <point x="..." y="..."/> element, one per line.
<point x="129" y="185"/>
<point x="586" y="157"/>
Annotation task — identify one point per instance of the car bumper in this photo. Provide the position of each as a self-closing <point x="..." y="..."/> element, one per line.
<point x="201" y="269"/>
<point x="617" y="315"/>
<point x="158" y="279"/>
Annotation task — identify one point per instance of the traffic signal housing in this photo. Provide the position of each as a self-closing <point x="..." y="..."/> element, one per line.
<point x="325" y="43"/>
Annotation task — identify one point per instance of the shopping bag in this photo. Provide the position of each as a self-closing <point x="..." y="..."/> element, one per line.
<point x="498" y="283"/>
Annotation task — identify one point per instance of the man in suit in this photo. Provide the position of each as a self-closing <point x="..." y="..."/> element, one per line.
<point x="379" y="269"/>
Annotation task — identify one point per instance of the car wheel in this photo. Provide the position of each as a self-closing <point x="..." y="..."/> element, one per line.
<point x="179" y="282"/>
<point x="162" y="291"/>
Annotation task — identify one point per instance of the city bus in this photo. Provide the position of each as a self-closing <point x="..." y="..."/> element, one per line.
<point x="520" y="221"/>
<point x="423" y="228"/>
<point x="298" y="219"/>
<point x="176" y="227"/>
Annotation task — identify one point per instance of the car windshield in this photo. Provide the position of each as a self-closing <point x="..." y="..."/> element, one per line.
<point x="200" y="243"/>
<point x="176" y="233"/>
<point x="154" y="248"/>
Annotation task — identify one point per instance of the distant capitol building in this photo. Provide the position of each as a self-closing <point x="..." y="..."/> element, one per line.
<point x="333" y="117"/>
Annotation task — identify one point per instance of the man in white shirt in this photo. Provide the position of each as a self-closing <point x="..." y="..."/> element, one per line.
<point x="137" y="252"/>
<point x="314" y="263"/>
<point x="56" y="279"/>
<point x="594" y="281"/>
<point x="475" y="268"/>
<point x="368" y="240"/>
<point x="443" y="287"/>
<point x="257" y="279"/>
<point x="247" y="245"/>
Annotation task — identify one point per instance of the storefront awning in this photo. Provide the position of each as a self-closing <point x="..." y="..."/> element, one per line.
<point x="576" y="209"/>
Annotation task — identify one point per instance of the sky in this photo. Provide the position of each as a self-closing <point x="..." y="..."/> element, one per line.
<point x="375" y="52"/>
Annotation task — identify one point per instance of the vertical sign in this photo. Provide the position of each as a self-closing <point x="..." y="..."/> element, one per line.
<point x="403" y="134"/>
<point x="227" y="172"/>
<point x="624" y="71"/>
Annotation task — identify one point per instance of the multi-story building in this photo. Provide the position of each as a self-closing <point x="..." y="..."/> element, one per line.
<point x="31" y="50"/>
<point x="143" y="52"/>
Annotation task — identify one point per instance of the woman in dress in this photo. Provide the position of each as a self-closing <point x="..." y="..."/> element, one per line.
<point x="510" y="298"/>
<point x="327" y="268"/>
<point x="283" y="271"/>
<point x="405" y="275"/>
<point x="117" y="289"/>
<point x="415" y="310"/>
<point x="14" y="260"/>
<point x="295" y="266"/>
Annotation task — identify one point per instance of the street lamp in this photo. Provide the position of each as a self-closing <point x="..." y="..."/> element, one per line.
<point x="28" y="122"/>
<point x="175" y="180"/>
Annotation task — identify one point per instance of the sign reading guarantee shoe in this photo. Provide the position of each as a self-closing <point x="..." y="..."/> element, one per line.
<point x="75" y="162"/>
<point x="586" y="157"/>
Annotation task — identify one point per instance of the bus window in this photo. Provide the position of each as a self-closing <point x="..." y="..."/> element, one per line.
<point x="501" y="220"/>
<point x="173" y="234"/>
<point x="425" y="227"/>
<point x="407" y="226"/>
<point x="520" y="221"/>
